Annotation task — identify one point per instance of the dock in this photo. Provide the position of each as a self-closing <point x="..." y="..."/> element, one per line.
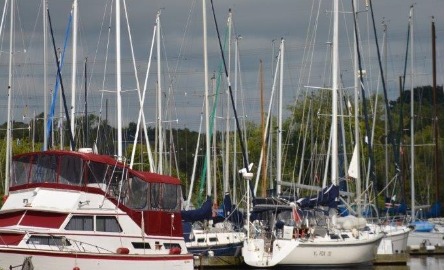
<point x="425" y="250"/>
<point x="391" y="259"/>
<point x="204" y="261"/>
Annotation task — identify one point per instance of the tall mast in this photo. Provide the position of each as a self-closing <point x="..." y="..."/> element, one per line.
<point x="334" y="145"/>
<point x="118" y="80"/>
<point x="263" y="135"/>
<point x="9" y="125"/>
<point x="280" y="122"/>
<point x="235" y="170"/>
<point x="73" y="69"/>
<point x="356" y="120"/>
<point x="86" y="143"/>
<point x="206" y="96"/>
<point x="159" y="94"/>
<point x="45" y="82"/>
<point x="385" y="54"/>
<point x="227" y="143"/>
<point x="413" y="197"/>
<point x="435" y="118"/>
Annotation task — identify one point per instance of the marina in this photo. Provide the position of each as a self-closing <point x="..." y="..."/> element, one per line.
<point x="193" y="146"/>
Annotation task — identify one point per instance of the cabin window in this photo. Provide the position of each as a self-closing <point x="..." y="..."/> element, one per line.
<point x="171" y="245"/>
<point x="20" y="171"/>
<point x="141" y="245"/>
<point x="213" y="239"/>
<point x="200" y="240"/>
<point x="135" y="193"/>
<point x="71" y="170"/>
<point x="97" y="172"/>
<point x="80" y="223"/>
<point x="165" y="197"/>
<point x="170" y="197"/>
<point x="44" y="170"/>
<point x="107" y="224"/>
<point x="155" y="196"/>
<point x="48" y="240"/>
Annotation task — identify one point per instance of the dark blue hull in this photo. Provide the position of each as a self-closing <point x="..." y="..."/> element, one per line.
<point x="218" y="250"/>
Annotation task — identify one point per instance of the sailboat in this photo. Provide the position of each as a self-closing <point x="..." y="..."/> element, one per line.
<point x="205" y="233"/>
<point x="82" y="210"/>
<point x="283" y="232"/>
<point x="425" y="232"/>
<point x="396" y="232"/>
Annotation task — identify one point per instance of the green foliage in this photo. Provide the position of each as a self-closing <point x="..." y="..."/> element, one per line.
<point x="305" y="142"/>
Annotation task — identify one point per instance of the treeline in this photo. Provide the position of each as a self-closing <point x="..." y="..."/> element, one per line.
<point x="306" y="140"/>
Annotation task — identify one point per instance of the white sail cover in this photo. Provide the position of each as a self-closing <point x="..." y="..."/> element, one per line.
<point x="352" y="170"/>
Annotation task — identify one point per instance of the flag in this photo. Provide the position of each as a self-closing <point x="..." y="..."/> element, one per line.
<point x="296" y="216"/>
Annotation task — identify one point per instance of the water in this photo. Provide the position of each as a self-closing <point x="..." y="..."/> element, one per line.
<point x="426" y="262"/>
<point x="414" y="263"/>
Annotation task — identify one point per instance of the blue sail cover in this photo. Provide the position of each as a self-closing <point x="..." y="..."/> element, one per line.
<point x="328" y="196"/>
<point x="202" y="213"/>
<point x="231" y="213"/>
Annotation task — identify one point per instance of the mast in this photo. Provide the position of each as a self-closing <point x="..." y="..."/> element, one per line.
<point x="87" y="143"/>
<point x="206" y="96"/>
<point x="118" y="80"/>
<point x="227" y="143"/>
<point x="334" y="145"/>
<point x="356" y="120"/>
<point x="263" y="134"/>
<point x="73" y="69"/>
<point x="435" y="118"/>
<point x="159" y="94"/>
<point x="9" y="124"/>
<point x="413" y="197"/>
<point x="385" y="54"/>
<point x="280" y="122"/>
<point x="235" y="170"/>
<point x="60" y="120"/>
<point x="45" y="82"/>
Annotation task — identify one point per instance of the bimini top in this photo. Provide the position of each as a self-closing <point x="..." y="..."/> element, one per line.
<point x="74" y="168"/>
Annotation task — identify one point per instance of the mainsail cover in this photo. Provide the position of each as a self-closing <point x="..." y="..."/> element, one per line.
<point x="202" y="213"/>
<point x="328" y="196"/>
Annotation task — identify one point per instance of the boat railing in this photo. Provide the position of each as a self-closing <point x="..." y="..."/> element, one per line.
<point x="64" y="244"/>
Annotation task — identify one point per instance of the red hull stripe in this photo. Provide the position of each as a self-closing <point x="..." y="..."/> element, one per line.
<point x="43" y="219"/>
<point x="94" y="256"/>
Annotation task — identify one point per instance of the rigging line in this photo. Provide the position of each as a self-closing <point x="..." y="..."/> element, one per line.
<point x="243" y="101"/>
<point x="390" y="123"/>
<point x="399" y="137"/>
<point x="243" y="150"/>
<point x="98" y="43"/>
<point x="371" y="170"/>
<point x="105" y="65"/>
<point x="212" y="119"/>
<point x="59" y="78"/>
<point x="348" y="39"/>
<point x="309" y="59"/>
<point x="2" y="21"/>
<point x="141" y="99"/>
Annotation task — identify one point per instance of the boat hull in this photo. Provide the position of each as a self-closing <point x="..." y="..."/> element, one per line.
<point x="53" y="260"/>
<point x="296" y="252"/>
<point x="399" y="240"/>
<point x="218" y="250"/>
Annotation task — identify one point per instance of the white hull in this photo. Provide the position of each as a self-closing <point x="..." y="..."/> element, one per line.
<point x="428" y="238"/>
<point x="318" y="252"/>
<point x="398" y="238"/>
<point x="433" y="238"/>
<point x="54" y="260"/>
<point x="395" y="239"/>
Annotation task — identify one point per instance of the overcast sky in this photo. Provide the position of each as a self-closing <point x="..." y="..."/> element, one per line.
<point x="304" y="25"/>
